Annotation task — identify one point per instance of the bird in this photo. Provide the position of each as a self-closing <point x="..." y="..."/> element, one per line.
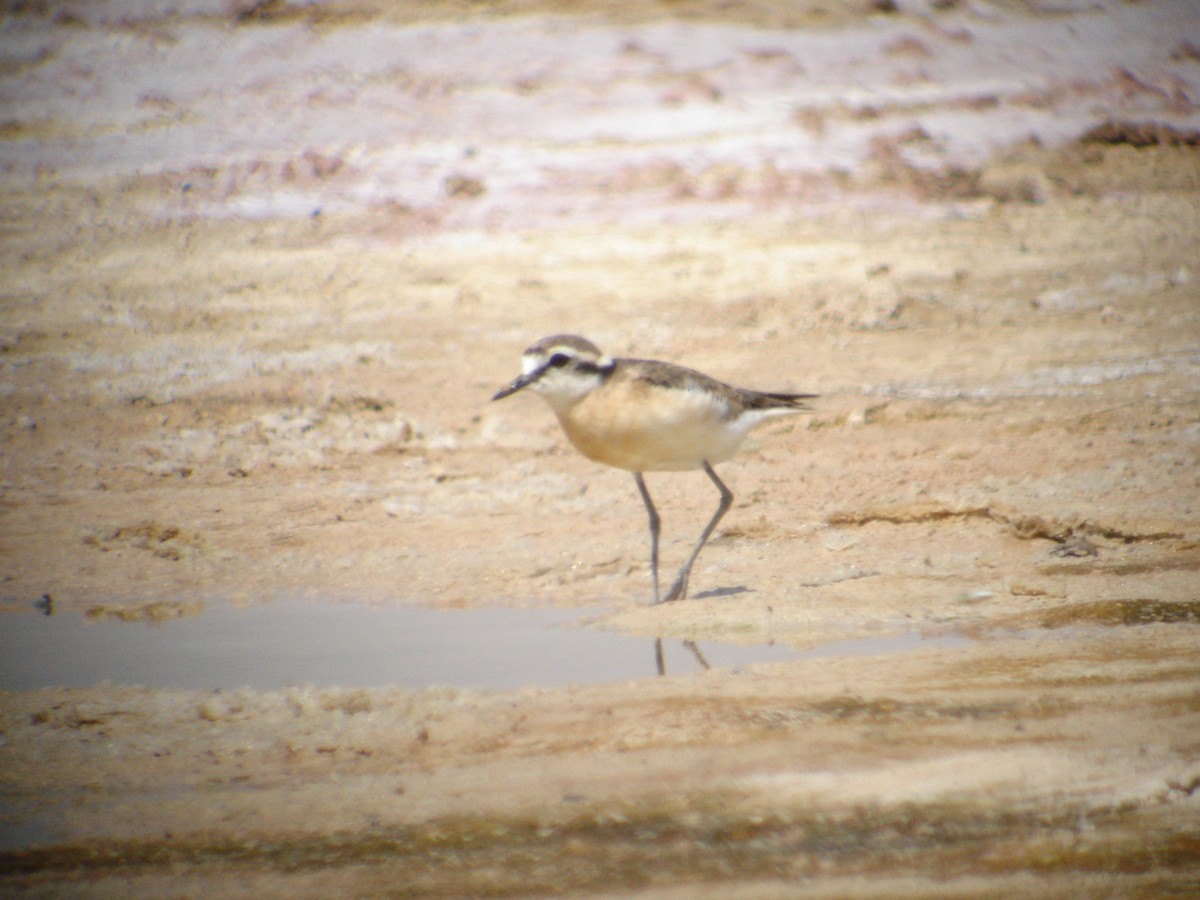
<point x="643" y="415"/>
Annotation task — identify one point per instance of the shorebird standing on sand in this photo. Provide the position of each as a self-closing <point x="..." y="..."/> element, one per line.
<point x="642" y="415"/>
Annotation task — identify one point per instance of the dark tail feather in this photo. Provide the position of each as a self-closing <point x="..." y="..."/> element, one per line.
<point x="763" y="400"/>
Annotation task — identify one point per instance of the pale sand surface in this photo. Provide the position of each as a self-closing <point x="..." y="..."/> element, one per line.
<point x="262" y="274"/>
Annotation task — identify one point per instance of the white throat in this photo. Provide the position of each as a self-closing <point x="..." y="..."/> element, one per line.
<point x="561" y="388"/>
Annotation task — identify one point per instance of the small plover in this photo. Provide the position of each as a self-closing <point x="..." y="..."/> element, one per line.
<point x="642" y="415"/>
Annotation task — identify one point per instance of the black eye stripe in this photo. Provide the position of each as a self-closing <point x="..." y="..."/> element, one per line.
<point x="567" y="360"/>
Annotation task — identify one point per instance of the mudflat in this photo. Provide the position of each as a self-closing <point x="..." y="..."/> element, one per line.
<point x="264" y="266"/>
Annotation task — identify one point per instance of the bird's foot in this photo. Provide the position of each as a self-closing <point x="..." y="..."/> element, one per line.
<point x="678" y="589"/>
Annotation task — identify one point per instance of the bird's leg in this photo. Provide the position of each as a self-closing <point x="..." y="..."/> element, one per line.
<point x="655" y="522"/>
<point x="679" y="588"/>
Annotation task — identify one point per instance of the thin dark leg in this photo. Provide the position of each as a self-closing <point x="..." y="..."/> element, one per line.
<point x="679" y="589"/>
<point x="654" y="528"/>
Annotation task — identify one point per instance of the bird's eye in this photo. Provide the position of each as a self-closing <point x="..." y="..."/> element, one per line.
<point x="558" y="360"/>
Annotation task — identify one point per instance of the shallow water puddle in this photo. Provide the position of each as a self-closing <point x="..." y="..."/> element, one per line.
<point x="275" y="645"/>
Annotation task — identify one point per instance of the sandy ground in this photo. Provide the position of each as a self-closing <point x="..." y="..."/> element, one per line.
<point x="264" y="265"/>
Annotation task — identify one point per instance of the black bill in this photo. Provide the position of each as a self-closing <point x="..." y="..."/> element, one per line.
<point x="519" y="382"/>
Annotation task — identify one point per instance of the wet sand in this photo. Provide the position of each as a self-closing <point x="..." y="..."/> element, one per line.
<point x="262" y="278"/>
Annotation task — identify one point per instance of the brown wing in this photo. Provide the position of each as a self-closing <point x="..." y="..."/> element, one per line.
<point x="682" y="378"/>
